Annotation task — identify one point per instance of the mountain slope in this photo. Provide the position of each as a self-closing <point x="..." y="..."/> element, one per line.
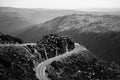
<point x="81" y="66"/>
<point x="16" y="64"/>
<point x="15" y="20"/>
<point x="99" y="33"/>
<point x="76" y="22"/>
<point x="12" y="19"/>
<point x="9" y="24"/>
<point x="19" y="61"/>
<point x="7" y="39"/>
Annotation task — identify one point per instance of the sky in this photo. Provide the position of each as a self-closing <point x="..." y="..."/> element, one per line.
<point x="61" y="4"/>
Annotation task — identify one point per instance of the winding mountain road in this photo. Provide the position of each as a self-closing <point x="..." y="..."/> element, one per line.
<point x="40" y="70"/>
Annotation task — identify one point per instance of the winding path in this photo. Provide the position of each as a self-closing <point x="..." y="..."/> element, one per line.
<point x="40" y="70"/>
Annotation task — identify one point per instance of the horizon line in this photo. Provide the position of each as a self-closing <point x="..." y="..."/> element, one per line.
<point x="80" y="9"/>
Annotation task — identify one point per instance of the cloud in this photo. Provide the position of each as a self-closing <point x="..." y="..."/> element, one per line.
<point x="61" y="4"/>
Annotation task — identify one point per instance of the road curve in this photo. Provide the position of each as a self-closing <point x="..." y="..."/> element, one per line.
<point x="40" y="69"/>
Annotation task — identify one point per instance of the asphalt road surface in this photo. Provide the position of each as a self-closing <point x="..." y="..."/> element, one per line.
<point x="40" y="70"/>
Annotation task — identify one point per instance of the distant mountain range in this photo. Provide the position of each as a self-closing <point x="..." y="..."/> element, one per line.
<point x="99" y="33"/>
<point x="15" y="20"/>
<point x="79" y="23"/>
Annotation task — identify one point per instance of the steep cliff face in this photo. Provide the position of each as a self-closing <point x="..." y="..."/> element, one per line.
<point x="99" y="33"/>
<point x="54" y="45"/>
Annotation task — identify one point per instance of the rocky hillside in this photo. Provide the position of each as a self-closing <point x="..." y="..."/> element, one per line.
<point x="19" y="61"/>
<point x="7" y="39"/>
<point x="16" y="64"/>
<point x="82" y="66"/>
<point x="99" y="33"/>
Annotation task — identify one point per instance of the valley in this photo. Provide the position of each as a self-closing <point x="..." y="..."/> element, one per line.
<point x="48" y="44"/>
<point x="98" y="33"/>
